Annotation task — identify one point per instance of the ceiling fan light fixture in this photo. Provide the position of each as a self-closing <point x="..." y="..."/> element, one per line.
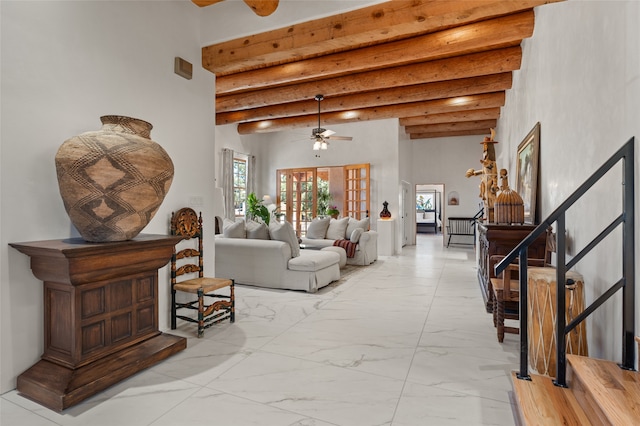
<point x="320" y="135"/>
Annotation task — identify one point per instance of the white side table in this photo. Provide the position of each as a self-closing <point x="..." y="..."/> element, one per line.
<point x="386" y="237"/>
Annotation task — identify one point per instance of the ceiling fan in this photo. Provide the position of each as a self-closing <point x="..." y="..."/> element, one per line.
<point x="320" y="136"/>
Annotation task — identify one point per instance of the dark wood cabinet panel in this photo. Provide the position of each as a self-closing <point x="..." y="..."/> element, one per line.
<point x="100" y="315"/>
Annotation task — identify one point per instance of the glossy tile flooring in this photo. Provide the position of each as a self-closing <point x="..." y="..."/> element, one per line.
<point x="405" y="341"/>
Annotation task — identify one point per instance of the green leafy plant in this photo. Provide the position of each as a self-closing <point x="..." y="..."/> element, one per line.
<point x="255" y="209"/>
<point x="333" y="211"/>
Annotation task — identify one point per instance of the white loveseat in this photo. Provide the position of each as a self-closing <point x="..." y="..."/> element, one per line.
<point x="323" y="232"/>
<point x="274" y="263"/>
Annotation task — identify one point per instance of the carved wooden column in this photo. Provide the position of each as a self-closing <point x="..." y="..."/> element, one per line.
<point x="100" y="315"/>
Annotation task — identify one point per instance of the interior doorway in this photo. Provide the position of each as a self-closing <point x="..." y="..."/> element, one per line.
<point x="429" y="210"/>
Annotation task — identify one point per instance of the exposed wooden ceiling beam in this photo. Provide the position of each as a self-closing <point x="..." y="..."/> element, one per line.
<point x="391" y="96"/>
<point x="442" y="65"/>
<point x="488" y="100"/>
<point x="477" y="64"/>
<point x="452" y="117"/>
<point x="478" y="132"/>
<point x="375" y="24"/>
<point x="482" y="36"/>
<point x="451" y="127"/>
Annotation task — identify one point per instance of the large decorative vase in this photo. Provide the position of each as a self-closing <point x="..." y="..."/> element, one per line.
<point x="113" y="180"/>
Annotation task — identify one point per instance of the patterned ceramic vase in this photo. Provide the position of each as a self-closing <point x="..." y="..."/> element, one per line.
<point x="113" y="180"/>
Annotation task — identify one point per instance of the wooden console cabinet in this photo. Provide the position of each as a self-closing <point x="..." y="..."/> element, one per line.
<point x="100" y="315"/>
<point x="500" y="240"/>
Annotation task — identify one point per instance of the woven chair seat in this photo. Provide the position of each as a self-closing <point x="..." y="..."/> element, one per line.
<point x="207" y="284"/>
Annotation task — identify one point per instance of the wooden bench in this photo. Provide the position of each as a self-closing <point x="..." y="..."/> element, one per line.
<point x="461" y="226"/>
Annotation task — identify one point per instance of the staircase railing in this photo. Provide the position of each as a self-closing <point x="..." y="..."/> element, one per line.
<point x="479" y="214"/>
<point x="626" y="283"/>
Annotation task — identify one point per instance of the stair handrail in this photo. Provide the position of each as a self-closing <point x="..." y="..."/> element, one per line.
<point x="626" y="283"/>
<point x="478" y="214"/>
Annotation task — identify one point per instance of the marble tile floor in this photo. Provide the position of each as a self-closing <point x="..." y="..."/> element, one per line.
<point x="405" y="341"/>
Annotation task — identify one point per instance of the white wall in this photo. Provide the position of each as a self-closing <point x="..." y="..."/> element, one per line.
<point x="64" y="64"/>
<point x="580" y="79"/>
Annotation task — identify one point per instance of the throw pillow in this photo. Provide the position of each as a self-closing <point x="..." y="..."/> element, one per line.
<point x="257" y="230"/>
<point x="355" y="235"/>
<point x="317" y="229"/>
<point x="354" y="223"/>
<point x="231" y="229"/>
<point x="285" y="232"/>
<point x="337" y="229"/>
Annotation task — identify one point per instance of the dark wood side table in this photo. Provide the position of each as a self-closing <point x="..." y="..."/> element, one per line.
<point x="100" y="315"/>
<point x="500" y="240"/>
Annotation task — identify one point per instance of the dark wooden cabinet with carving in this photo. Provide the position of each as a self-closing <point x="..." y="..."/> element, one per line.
<point x="100" y="315"/>
<point x="500" y="240"/>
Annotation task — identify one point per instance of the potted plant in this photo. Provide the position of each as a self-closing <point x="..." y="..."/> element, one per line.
<point x="255" y="209"/>
<point x="333" y="211"/>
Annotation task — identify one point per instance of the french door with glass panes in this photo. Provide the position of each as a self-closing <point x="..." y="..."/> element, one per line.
<point x="295" y="198"/>
<point x="297" y="190"/>
<point x="356" y="191"/>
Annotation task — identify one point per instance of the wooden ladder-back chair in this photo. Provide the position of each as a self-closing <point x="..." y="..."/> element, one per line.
<point x="186" y="223"/>
<point x="506" y="289"/>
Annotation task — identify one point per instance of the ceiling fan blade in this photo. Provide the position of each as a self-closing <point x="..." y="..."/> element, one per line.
<point x="327" y="133"/>
<point x="340" y="138"/>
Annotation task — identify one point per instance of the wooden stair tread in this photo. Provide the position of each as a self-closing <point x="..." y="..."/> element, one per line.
<point x="542" y="403"/>
<point x="615" y="391"/>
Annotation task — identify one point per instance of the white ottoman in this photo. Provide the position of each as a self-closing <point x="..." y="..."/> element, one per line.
<point x="340" y="251"/>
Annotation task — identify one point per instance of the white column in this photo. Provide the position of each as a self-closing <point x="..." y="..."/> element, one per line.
<point x="386" y="237"/>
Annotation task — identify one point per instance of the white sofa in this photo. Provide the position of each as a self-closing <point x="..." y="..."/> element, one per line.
<point x="271" y="263"/>
<point x="367" y="245"/>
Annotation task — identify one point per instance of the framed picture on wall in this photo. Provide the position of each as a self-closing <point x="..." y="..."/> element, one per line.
<point x="527" y="173"/>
